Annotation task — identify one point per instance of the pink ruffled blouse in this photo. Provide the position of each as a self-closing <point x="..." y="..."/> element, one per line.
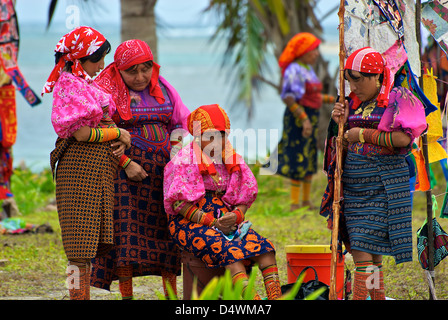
<point x="76" y="103"/>
<point x="184" y="182"/>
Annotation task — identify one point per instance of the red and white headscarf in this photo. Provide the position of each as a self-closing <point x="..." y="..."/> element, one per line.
<point x="78" y="43"/>
<point x="370" y="61"/>
<point x="128" y="54"/>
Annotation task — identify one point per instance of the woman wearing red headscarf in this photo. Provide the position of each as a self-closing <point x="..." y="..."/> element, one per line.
<point x="152" y="111"/>
<point x="86" y="160"/>
<point x="208" y="189"/>
<point x="381" y="122"/>
<point x="296" y="154"/>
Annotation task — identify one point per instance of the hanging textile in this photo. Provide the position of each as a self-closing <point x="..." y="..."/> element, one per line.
<point x="9" y="47"/>
<point x="435" y="20"/>
<point x="435" y="131"/>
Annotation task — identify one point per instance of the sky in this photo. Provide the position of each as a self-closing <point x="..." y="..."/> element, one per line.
<point x="182" y="12"/>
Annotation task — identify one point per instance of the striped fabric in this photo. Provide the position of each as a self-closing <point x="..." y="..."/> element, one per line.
<point x="377" y="205"/>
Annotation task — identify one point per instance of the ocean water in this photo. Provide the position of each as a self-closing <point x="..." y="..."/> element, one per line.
<point x="188" y="61"/>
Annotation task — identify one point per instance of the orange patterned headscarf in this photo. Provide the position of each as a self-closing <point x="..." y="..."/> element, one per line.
<point x="212" y="117"/>
<point x="300" y="44"/>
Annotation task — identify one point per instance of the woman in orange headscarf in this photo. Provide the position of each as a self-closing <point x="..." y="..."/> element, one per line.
<point x="296" y="154"/>
<point x="208" y="189"/>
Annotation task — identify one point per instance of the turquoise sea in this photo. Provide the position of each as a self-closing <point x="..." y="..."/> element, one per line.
<point x="188" y="61"/>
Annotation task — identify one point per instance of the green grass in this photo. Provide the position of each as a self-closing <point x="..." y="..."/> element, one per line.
<point x="36" y="262"/>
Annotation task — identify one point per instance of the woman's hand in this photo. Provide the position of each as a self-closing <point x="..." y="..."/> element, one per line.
<point x="340" y="112"/>
<point x="352" y="135"/>
<point x="226" y="223"/>
<point x="307" y="128"/>
<point x="125" y="137"/>
<point x="135" y="172"/>
<point x="118" y="148"/>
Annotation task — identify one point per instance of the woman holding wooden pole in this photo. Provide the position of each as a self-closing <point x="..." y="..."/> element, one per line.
<point x="380" y="124"/>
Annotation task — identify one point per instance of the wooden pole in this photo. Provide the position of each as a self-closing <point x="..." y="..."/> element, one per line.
<point x="338" y="169"/>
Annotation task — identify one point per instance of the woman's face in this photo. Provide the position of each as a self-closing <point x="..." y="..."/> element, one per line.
<point x="310" y="57"/>
<point x="365" y="88"/>
<point x="92" y="68"/>
<point x="137" y="77"/>
<point x="213" y="142"/>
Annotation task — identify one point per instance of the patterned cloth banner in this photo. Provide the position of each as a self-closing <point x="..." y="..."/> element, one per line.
<point x="435" y="20"/>
<point x="9" y="47"/>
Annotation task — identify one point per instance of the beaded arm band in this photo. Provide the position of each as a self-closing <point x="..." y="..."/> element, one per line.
<point x="239" y="215"/>
<point x="193" y="214"/>
<point x="377" y="137"/>
<point x="103" y="134"/>
<point x="298" y="111"/>
<point x="124" y="161"/>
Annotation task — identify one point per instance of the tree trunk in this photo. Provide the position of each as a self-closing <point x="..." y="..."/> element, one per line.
<point x="138" y="22"/>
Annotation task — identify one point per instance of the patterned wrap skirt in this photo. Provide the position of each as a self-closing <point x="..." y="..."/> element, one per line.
<point x="84" y="196"/>
<point x="377" y="205"/>
<point x="210" y="245"/>
<point x="295" y="156"/>
<point x="141" y="236"/>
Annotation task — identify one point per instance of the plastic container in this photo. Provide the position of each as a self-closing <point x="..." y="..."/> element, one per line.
<point x="195" y="268"/>
<point x="317" y="256"/>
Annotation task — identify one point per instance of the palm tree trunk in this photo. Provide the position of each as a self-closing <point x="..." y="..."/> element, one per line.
<point x="138" y="22"/>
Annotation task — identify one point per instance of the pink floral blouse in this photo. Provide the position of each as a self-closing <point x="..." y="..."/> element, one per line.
<point x="76" y="103"/>
<point x="184" y="182"/>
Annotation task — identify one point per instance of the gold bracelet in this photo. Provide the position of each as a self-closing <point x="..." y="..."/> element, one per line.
<point x="361" y="136"/>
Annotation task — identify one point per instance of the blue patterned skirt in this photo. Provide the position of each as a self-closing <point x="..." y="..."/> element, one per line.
<point x="211" y="246"/>
<point x="377" y="205"/>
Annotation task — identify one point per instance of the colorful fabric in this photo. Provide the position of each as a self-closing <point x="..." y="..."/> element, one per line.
<point x="128" y="54"/>
<point x="8" y="118"/>
<point x="435" y="19"/>
<point x="212" y="117"/>
<point x="301" y="82"/>
<point x="77" y="104"/>
<point x="78" y="43"/>
<point x="210" y="245"/>
<point x="151" y="124"/>
<point x="9" y="49"/>
<point x="295" y="156"/>
<point x="370" y="61"/>
<point x="141" y="236"/>
<point x="300" y="44"/>
<point x="184" y="182"/>
<point x="377" y="206"/>
<point x="85" y="207"/>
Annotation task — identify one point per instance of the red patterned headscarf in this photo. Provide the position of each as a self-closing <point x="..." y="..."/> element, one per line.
<point x="212" y="117"/>
<point x="300" y="44"/>
<point x="370" y="61"/>
<point x="128" y="54"/>
<point x="78" y="43"/>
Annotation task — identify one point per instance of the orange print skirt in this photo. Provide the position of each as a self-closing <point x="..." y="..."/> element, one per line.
<point x="210" y="245"/>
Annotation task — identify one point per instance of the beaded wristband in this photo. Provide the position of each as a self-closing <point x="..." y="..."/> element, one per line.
<point x="207" y="219"/>
<point x="361" y="137"/>
<point x="303" y="116"/>
<point x="124" y="161"/>
<point x="294" y="107"/>
<point x="103" y="134"/>
<point x="239" y="215"/>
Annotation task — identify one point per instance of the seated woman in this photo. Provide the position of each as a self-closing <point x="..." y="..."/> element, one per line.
<point x="207" y="190"/>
